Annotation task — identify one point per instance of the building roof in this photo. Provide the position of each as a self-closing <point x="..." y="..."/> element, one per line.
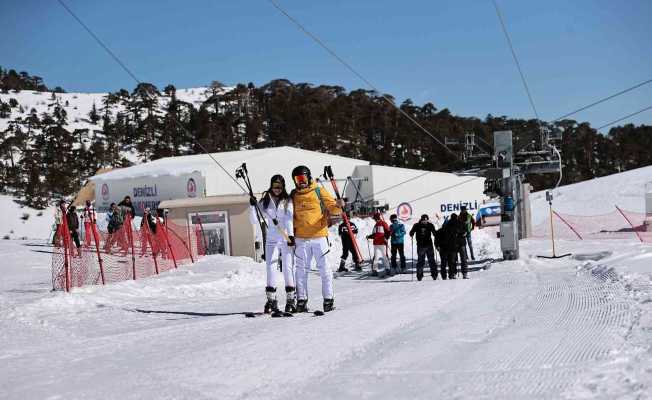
<point x="272" y="157"/>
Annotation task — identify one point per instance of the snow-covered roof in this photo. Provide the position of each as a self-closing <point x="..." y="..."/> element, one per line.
<point x="261" y="165"/>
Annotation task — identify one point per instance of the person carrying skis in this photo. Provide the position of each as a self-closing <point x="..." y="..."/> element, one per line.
<point x="347" y="246"/>
<point x="454" y="242"/>
<point x="277" y="209"/>
<point x="425" y="231"/>
<point x="116" y="221"/>
<point x="397" y="231"/>
<point x="468" y="223"/>
<point x="312" y="206"/>
<point x="88" y="216"/>
<point x="379" y="234"/>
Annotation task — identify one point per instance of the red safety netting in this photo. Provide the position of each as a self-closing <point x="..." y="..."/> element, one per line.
<point x="619" y="224"/>
<point x="128" y="253"/>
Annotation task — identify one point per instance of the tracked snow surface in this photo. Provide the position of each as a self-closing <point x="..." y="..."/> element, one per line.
<point x="573" y="328"/>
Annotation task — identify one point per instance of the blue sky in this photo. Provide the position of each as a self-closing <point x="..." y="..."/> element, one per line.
<point x="450" y="53"/>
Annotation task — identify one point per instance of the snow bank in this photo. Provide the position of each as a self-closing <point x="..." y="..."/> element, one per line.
<point x="21" y="222"/>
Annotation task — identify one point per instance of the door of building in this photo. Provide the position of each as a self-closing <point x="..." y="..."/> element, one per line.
<point x="212" y="230"/>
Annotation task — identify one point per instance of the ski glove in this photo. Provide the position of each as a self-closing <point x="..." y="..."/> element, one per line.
<point x="291" y="241"/>
<point x="253" y="200"/>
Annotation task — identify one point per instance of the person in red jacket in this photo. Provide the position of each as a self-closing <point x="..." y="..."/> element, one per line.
<point x="379" y="234"/>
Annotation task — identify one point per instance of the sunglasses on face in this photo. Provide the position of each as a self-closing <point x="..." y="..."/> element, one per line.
<point x="300" y="179"/>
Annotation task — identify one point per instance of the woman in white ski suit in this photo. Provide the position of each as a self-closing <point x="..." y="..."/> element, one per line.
<point x="278" y="210"/>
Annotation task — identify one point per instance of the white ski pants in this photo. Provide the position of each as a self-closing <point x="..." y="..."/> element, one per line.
<point x="380" y="256"/>
<point x="274" y="250"/>
<point x="305" y="251"/>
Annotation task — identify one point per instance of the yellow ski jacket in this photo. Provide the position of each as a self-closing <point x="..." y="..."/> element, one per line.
<point x="310" y="221"/>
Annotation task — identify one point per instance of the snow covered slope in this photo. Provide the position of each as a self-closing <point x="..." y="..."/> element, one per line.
<point x="596" y="196"/>
<point x="79" y="105"/>
<point x="20" y="222"/>
<point x="529" y="329"/>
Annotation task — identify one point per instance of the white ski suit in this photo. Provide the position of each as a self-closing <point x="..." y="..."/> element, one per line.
<point x="276" y="245"/>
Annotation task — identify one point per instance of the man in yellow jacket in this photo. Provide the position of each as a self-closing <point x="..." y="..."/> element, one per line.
<point x="312" y="206"/>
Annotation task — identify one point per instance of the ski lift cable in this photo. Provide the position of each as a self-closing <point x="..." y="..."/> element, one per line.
<point x="124" y="67"/>
<point x="518" y="64"/>
<point x="623" y="118"/>
<point x="356" y="73"/>
<point x="629" y="89"/>
<point x="397" y="185"/>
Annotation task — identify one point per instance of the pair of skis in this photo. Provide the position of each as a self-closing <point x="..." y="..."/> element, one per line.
<point x="282" y="314"/>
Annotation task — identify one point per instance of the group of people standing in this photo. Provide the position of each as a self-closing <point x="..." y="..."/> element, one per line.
<point x="450" y="242"/>
<point x="115" y="219"/>
<point x="74" y="225"/>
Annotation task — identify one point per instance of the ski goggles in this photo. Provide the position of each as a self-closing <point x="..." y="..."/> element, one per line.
<point x="298" y="179"/>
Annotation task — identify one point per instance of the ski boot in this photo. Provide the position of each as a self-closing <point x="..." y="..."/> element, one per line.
<point x="272" y="304"/>
<point x="342" y="267"/>
<point x="302" y="305"/>
<point x="419" y="274"/>
<point x="329" y="305"/>
<point x="291" y="302"/>
<point x="357" y="268"/>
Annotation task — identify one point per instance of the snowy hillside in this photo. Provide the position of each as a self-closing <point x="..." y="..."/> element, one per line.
<point x="79" y="105"/>
<point x="596" y="196"/>
<point x="20" y="222"/>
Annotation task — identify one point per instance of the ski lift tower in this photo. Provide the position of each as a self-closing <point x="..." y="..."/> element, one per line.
<point x="509" y="194"/>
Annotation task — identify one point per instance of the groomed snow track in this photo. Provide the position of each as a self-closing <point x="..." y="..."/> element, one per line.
<point x="537" y="334"/>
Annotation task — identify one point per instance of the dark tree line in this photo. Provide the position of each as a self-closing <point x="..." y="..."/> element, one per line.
<point x="42" y="158"/>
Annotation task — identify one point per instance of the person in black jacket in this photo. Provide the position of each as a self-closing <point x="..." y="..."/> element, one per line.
<point x="126" y="202"/>
<point x="347" y="246"/>
<point x="73" y="226"/>
<point x="454" y="241"/>
<point x="425" y="232"/>
<point x="440" y="240"/>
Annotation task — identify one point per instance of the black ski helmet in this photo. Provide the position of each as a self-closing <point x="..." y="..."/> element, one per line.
<point x="277" y="178"/>
<point x="302" y="170"/>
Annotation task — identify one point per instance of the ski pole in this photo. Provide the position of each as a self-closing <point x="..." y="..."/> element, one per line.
<point x="412" y="269"/>
<point x="242" y="173"/>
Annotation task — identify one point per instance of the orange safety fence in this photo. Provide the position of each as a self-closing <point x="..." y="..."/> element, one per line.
<point x="127" y="253"/>
<point x="619" y="224"/>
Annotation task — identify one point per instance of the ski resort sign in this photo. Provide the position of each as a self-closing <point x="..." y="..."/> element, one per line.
<point x="148" y="192"/>
<point x="404" y="211"/>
